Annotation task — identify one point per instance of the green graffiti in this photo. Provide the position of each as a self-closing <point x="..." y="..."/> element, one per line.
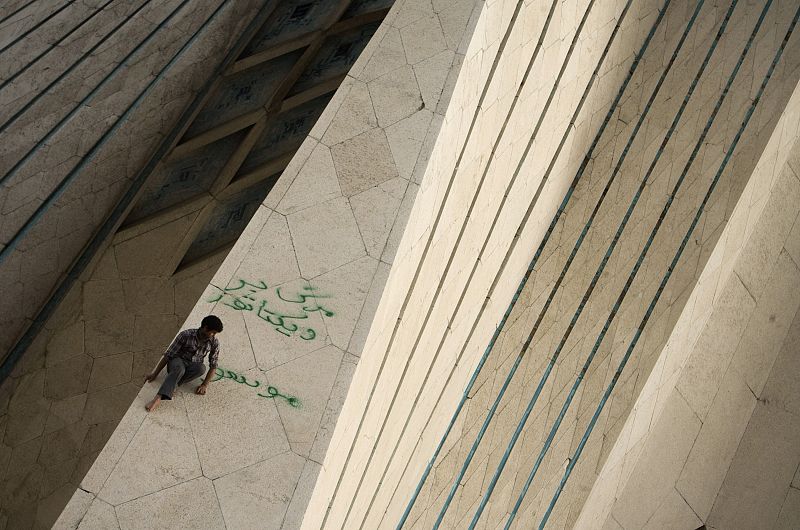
<point x="272" y="392"/>
<point x="268" y="304"/>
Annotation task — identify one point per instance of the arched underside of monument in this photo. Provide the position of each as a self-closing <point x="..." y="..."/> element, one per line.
<point x="593" y="282"/>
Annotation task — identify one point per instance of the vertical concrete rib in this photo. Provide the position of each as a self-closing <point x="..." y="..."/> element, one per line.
<point x="535" y="258"/>
<point x="53" y="44"/>
<point x="36" y="26"/>
<point x="89" y="156"/>
<point x="593" y="283"/>
<point x="728" y="154"/>
<point x="470" y="130"/>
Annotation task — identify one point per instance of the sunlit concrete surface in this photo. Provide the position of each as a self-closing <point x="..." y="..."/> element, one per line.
<point x="497" y="264"/>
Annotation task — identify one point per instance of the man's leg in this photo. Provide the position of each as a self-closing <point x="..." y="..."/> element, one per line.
<point x="176" y="368"/>
<point x="193" y="371"/>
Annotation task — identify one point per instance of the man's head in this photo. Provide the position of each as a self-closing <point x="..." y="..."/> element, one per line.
<point x="210" y="326"/>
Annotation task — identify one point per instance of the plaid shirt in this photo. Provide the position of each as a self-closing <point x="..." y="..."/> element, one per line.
<point x="188" y="346"/>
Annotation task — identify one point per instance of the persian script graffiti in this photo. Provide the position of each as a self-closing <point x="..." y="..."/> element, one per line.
<point x="274" y="306"/>
<point x="271" y="391"/>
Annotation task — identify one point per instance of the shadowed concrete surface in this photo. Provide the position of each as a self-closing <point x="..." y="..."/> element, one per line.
<point x="496" y="264"/>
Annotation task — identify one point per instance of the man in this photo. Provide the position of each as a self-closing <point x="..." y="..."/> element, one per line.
<point x="184" y="360"/>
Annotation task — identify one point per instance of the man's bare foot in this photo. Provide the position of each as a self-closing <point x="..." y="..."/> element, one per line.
<point x="153" y="404"/>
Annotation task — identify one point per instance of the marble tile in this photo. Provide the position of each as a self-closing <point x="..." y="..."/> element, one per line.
<point x="301" y="496"/>
<point x="345" y="290"/>
<point x="406" y="139"/>
<point x="333" y="406"/>
<point x="315" y="183"/>
<point x="108" y="336"/>
<point x="716" y="444"/>
<point x="115" y="447"/>
<point x="671" y="439"/>
<point x="258" y="496"/>
<point x="708" y="361"/>
<point x="389" y="55"/>
<point x="423" y="39"/>
<point x="325" y="237"/>
<point x="75" y="510"/>
<point x="754" y="488"/>
<point x="363" y="161"/>
<point x="281" y="266"/>
<point x="110" y="371"/>
<point x="673" y="513"/>
<point x="283" y="329"/>
<point x="65" y="412"/>
<point x="109" y="403"/>
<point x="354" y="116"/>
<point x="311" y="379"/>
<point x="166" y="433"/>
<point x="789" y="516"/>
<point x="395" y="95"/>
<point x="99" y="516"/>
<point x="65" y="343"/>
<point x="375" y="211"/>
<point x="27" y="410"/>
<point x="191" y="504"/>
<point x="767" y="328"/>
<point x="232" y="416"/>
<point x="781" y="388"/>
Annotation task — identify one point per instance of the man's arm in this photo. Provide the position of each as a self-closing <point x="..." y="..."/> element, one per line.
<point x="157" y="370"/>
<point x="213" y="359"/>
<point x="204" y="385"/>
<point x="173" y="350"/>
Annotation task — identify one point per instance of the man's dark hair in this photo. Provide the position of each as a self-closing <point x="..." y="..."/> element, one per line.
<point x="212" y="323"/>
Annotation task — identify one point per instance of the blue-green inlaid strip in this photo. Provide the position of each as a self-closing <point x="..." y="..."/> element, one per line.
<point x="534" y="260"/>
<point x="36" y="26"/>
<point x="52" y="45"/>
<point x="729" y="153"/>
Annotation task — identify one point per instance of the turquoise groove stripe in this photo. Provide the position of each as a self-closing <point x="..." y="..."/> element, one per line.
<point x="17" y="10"/>
<point x="89" y="156"/>
<point x="670" y="269"/>
<point x="640" y="260"/>
<point x="591" y="286"/>
<point x="52" y="45"/>
<point x="89" y="96"/>
<point x="120" y="209"/>
<point x="526" y="276"/>
<point x="37" y="25"/>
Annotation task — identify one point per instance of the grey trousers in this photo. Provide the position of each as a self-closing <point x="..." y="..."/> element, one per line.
<point x="179" y="372"/>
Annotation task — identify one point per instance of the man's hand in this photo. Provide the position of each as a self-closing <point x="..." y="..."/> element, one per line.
<point x="202" y="389"/>
<point x="150" y="377"/>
